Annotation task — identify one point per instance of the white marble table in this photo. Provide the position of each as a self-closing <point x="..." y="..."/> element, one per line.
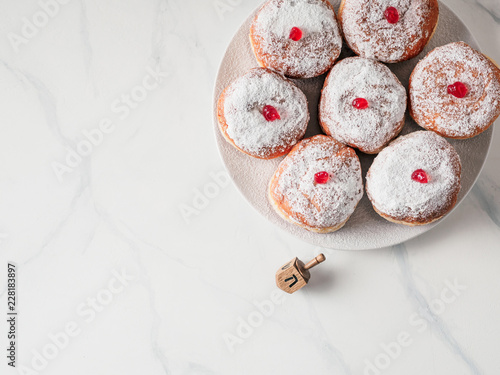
<point x="139" y="257"/>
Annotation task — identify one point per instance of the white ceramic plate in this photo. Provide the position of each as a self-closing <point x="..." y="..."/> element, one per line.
<point x="365" y="229"/>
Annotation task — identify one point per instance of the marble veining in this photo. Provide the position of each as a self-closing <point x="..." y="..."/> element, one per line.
<point x="438" y="325"/>
<point x="151" y="200"/>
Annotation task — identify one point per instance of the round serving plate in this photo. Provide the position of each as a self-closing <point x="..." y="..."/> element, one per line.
<point x="365" y="229"/>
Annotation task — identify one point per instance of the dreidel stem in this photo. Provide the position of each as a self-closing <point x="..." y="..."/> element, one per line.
<point x="313" y="263"/>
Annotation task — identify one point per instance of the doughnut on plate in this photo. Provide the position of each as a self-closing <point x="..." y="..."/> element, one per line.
<point x="365" y="229"/>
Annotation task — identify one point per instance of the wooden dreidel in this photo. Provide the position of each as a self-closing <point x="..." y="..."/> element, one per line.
<point x="295" y="274"/>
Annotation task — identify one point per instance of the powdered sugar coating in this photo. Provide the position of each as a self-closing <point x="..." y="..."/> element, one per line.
<point x="309" y="57"/>
<point x="318" y="206"/>
<point x="370" y="35"/>
<point x="435" y="109"/>
<point x="368" y="129"/>
<point x="246" y="126"/>
<point x="391" y="189"/>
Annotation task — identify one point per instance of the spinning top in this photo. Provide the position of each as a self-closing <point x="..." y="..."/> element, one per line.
<point x="295" y="274"/>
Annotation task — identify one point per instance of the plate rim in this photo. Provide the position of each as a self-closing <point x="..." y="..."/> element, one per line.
<point x="216" y="128"/>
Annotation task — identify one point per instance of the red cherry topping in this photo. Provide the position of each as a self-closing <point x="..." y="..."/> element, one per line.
<point x="271" y="113"/>
<point x="420" y="176"/>
<point x="321" y="177"/>
<point x="391" y="15"/>
<point x="458" y="89"/>
<point x="360" y="103"/>
<point x="296" y="34"/>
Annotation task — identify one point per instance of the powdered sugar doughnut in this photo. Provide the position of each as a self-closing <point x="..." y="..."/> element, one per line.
<point x="299" y="38"/>
<point x="363" y="104"/>
<point x="263" y="114"/>
<point x="318" y="185"/>
<point x="415" y="180"/>
<point x="455" y="91"/>
<point x="388" y="30"/>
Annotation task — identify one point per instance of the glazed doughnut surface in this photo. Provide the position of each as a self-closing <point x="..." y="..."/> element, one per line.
<point x="313" y="54"/>
<point x="368" y="129"/>
<point x="433" y="108"/>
